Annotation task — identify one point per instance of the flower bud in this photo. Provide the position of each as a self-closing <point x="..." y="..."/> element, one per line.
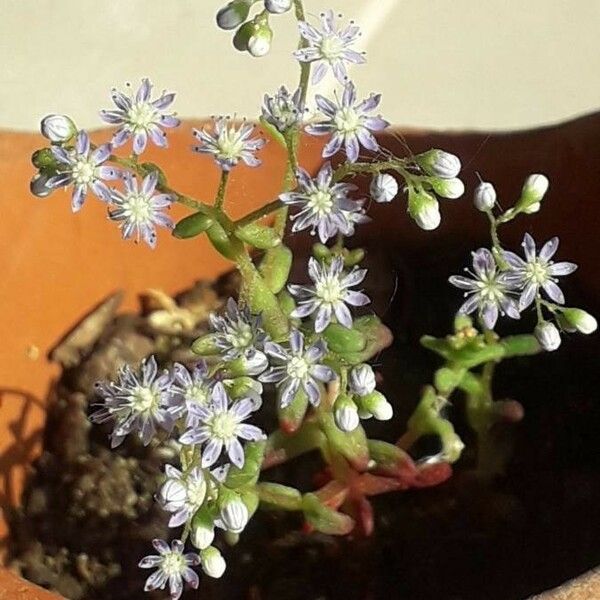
<point x="212" y="562"/>
<point x="534" y="190"/>
<point x="278" y="7"/>
<point x="259" y="42"/>
<point x="548" y="336"/>
<point x="172" y="493"/>
<point x="362" y="380"/>
<point x="580" y="320"/>
<point x="203" y="536"/>
<point x="484" y="197"/>
<point x="234" y="514"/>
<point x="424" y="209"/>
<point x="376" y="404"/>
<point x="234" y="14"/>
<point x="439" y="163"/>
<point x="346" y="414"/>
<point x="449" y="188"/>
<point x="384" y="187"/>
<point x="38" y="186"/>
<point x="58" y="128"/>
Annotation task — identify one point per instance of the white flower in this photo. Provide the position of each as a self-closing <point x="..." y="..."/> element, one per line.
<point x="221" y="427"/>
<point x="193" y="387"/>
<point x="182" y="495"/>
<point x="297" y="367"/>
<point x="330" y="293"/>
<point x="172" y="567"/>
<point x="137" y="402"/>
<point x="139" y="210"/>
<point x="362" y="380"/>
<point x="329" y="47"/>
<point x="212" y="561"/>
<point x="537" y="271"/>
<point x="384" y="187"/>
<point x="228" y="143"/>
<point x="547" y="335"/>
<point x="484" y="197"/>
<point x="488" y="291"/>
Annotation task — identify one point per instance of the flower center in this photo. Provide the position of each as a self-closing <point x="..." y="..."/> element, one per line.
<point x="83" y="172"/>
<point x="321" y="202"/>
<point x="138" y="208"/>
<point x="223" y="426"/>
<point x="297" y="368"/>
<point x="537" y="271"/>
<point x="241" y="336"/>
<point x="144" y="399"/>
<point x="141" y="116"/>
<point x="197" y="393"/>
<point x="196" y="492"/>
<point x="173" y="563"/>
<point x="329" y="290"/>
<point x="230" y="145"/>
<point x="331" y="47"/>
<point x="347" y="120"/>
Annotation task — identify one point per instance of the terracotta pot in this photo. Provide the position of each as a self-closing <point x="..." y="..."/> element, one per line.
<point x="56" y="265"/>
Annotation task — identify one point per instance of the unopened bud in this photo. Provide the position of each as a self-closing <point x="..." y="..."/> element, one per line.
<point x="278" y="6"/>
<point x="346" y="414"/>
<point x="212" y="562"/>
<point x="424" y="209"/>
<point x="377" y="404"/>
<point x="362" y="380"/>
<point x="259" y="43"/>
<point x="202" y="536"/>
<point x="234" y="14"/>
<point x="58" y="128"/>
<point x="440" y="164"/>
<point x="484" y="197"/>
<point x="534" y="190"/>
<point x="548" y="336"/>
<point x="234" y="514"/>
<point x="38" y="186"/>
<point x="449" y="188"/>
<point x="580" y="320"/>
<point x="172" y="493"/>
<point x="384" y="187"/>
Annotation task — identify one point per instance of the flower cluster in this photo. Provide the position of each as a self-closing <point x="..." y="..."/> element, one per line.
<point x="504" y="283"/>
<point x="307" y="345"/>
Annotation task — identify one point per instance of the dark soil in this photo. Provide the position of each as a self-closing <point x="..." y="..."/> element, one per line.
<point x="88" y="513"/>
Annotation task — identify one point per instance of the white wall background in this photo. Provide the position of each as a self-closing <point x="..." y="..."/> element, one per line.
<point x="439" y="63"/>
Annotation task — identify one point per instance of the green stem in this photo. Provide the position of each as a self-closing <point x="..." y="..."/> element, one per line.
<point x="220" y="199"/>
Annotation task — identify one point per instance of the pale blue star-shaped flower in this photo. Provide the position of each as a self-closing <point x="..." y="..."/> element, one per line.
<point x="297" y="367"/>
<point x="329" y="48"/>
<point x="324" y="206"/>
<point x="229" y="143"/>
<point x="537" y="271"/>
<point x="330" y="294"/>
<point x="348" y="123"/>
<point x="138" y="209"/>
<point x="173" y="567"/>
<point x="138" y="402"/>
<point x="83" y="168"/>
<point x="221" y="426"/>
<point x="140" y="117"/>
<point x="489" y="290"/>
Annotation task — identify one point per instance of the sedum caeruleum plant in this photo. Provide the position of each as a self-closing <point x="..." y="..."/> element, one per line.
<point x="299" y="345"/>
